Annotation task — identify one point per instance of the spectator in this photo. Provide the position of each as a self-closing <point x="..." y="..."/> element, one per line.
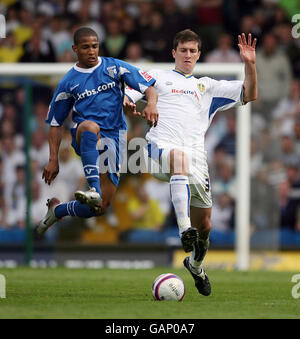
<point x="289" y="207"/>
<point x="38" y="49"/>
<point x="288" y="155"/>
<point x="39" y="115"/>
<point x="134" y="53"/>
<point x="145" y="212"/>
<point x="219" y="158"/>
<point x="154" y="39"/>
<point x="9" y="50"/>
<point x="248" y="24"/>
<point x="24" y="31"/>
<point x="17" y="208"/>
<point x="225" y="183"/>
<point x="173" y="22"/>
<point x="70" y="170"/>
<point x="57" y="34"/>
<point x="273" y="68"/>
<point x="145" y="10"/>
<point x="39" y="148"/>
<point x="129" y="28"/>
<point x="10" y="114"/>
<point x="228" y="141"/>
<point x="210" y="22"/>
<point x="222" y="213"/>
<point x="286" y="110"/>
<point x="224" y="52"/>
<point x="159" y="191"/>
<point x="11" y="157"/>
<point x="263" y="199"/>
<point x="114" y="44"/>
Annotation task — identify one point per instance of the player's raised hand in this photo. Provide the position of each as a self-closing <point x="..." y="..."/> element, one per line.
<point x="150" y="114"/>
<point x="129" y="107"/>
<point x="50" y="172"/>
<point x="247" y="48"/>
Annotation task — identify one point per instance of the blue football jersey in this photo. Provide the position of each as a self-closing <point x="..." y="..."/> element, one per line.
<point x="96" y="93"/>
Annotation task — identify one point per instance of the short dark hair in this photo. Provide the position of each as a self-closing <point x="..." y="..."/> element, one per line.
<point x="83" y="32"/>
<point x="184" y="36"/>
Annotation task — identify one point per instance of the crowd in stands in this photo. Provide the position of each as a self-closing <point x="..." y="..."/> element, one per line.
<point x="142" y="31"/>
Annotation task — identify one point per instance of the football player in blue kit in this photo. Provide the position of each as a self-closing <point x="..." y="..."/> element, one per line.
<point x="94" y="90"/>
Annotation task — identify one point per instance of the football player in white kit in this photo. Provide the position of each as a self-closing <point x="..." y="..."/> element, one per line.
<point x="186" y="106"/>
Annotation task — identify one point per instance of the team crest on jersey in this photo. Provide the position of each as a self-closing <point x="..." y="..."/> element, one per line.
<point x="112" y="70"/>
<point x="201" y="88"/>
<point x="145" y="75"/>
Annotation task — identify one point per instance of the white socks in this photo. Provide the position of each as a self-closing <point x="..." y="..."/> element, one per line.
<point x="181" y="196"/>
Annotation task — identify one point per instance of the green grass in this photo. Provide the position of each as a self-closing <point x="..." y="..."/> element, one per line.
<point x="126" y="294"/>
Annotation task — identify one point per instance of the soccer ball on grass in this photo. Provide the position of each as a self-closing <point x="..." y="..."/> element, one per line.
<point x="168" y="286"/>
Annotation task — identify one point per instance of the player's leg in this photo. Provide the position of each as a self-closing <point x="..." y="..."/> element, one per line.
<point x="57" y="210"/>
<point x="87" y="135"/>
<point x="181" y="196"/>
<point x="108" y="189"/>
<point x="200" y="218"/>
<point x="74" y="208"/>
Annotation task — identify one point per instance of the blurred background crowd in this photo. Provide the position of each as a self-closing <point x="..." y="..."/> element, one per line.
<point x="142" y="31"/>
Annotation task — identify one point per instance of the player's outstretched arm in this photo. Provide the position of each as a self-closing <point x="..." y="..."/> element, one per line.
<point x="247" y="52"/>
<point x="150" y="111"/>
<point x="52" y="168"/>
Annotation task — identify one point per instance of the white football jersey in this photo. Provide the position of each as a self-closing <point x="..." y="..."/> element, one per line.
<point x="186" y="106"/>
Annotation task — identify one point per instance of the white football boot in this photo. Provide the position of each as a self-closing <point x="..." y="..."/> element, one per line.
<point x="90" y="198"/>
<point x="50" y="218"/>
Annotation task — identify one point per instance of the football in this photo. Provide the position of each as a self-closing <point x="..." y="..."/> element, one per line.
<point x="168" y="286"/>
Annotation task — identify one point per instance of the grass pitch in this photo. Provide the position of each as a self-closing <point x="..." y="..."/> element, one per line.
<point x="126" y="294"/>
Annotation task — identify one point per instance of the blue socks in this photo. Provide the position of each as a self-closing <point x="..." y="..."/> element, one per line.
<point x="89" y="157"/>
<point x="73" y="208"/>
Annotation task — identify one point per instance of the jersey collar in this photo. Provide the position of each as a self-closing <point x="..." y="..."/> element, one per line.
<point x="88" y="70"/>
<point x="181" y="73"/>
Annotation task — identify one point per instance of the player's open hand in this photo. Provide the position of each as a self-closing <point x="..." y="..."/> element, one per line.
<point x="150" y="114"/>
<point x="247" y="49"/>
<point x="50" y="172"/>
<point x="129" y="107"/>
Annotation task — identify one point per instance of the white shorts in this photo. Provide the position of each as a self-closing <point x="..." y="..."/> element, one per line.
<point x="157" y="163"/>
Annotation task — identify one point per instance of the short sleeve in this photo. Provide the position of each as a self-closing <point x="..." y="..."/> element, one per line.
<point x="60" y="105"/>
<point x="224" y="95"/>
<point x="135" y="96"/>
<point x="134" y="77"/>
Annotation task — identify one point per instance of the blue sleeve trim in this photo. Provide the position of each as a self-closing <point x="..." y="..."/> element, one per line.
<point x="218" y="102"/>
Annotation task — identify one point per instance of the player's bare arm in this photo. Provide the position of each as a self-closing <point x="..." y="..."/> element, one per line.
<point x="52" y="168"/>
<point x="247" y="53"/>
<point x="150" y="111"/>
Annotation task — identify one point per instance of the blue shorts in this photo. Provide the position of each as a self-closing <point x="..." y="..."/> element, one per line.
<point x="112" y="147"/>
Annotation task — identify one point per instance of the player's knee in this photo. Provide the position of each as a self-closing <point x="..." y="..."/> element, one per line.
<point x="90" y="126"/>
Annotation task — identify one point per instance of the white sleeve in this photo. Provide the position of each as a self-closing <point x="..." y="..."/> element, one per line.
<point x="134" y="95"/>
<point x="226" y="94"/>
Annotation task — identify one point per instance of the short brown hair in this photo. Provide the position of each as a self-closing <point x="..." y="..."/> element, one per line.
<point x="186" y="35"/>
